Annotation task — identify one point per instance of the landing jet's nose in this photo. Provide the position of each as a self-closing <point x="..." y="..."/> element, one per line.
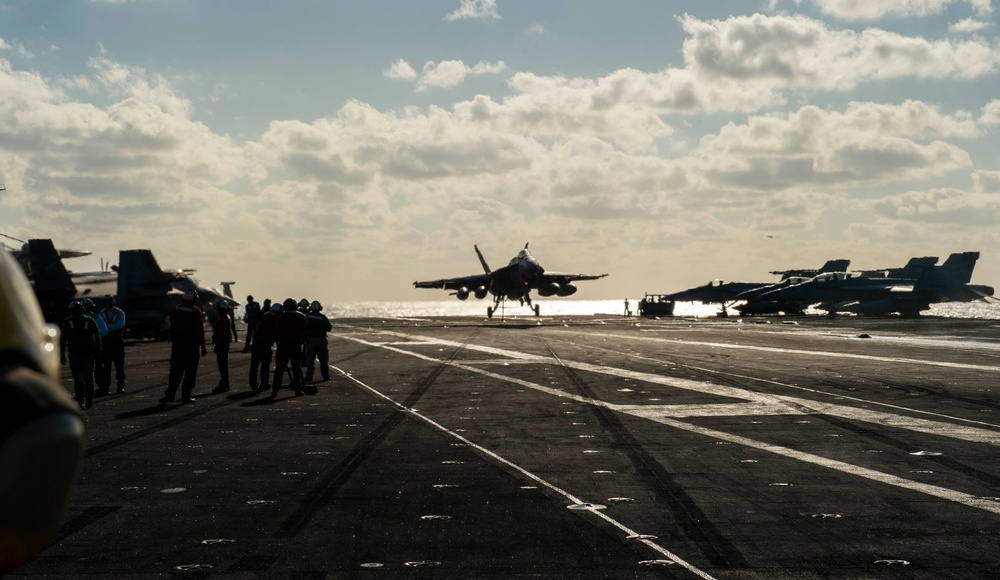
<point x="530" y="268"/>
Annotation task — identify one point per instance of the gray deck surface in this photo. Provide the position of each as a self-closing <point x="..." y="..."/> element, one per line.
<point x="458" y="449"/>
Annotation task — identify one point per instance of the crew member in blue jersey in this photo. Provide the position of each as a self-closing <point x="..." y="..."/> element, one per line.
<point x="187" y="334"/>
<point x="113" y="347"/>
<point x="251" y="315"/>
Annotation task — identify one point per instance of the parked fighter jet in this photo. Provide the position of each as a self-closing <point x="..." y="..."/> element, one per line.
<point x="726" y="293"/>
<point x="949" y="282"/>
<point x="515" y="281"/>
<point x="142" y="289"/>
<point x="853" y="292"/>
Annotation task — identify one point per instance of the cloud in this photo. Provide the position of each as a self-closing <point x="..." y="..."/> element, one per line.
<point x="535" y="29"/>
<point x="799" y="52"/>
<point x="991" y="114"/>
<point x="987" y="182"/>
<point x="942" y="206"/>
<point x="475" y="9"/>
<point x="15" y="48"/>
<point x="451" y="73"/>
<point x="857" y="10"/>
<point x="400" y="69"/>
<point x="969" y="25"/>
<point x="867" y="144"/>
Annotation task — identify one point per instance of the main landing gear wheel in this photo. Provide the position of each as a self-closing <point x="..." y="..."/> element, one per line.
<point x="537" y="308"/>
<point x="489" y="312"/>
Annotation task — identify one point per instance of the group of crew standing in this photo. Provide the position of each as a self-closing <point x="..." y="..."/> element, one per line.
<point x="91" y="341"/>
<point x="292" y="334"/>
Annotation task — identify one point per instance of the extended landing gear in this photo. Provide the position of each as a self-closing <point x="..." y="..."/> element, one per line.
<point x="489" y="312"/>
<point x="537" y="309"/>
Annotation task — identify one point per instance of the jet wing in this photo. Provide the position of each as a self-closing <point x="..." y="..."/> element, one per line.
<point x="564" y="277"/>
<point x="469" y="282"/>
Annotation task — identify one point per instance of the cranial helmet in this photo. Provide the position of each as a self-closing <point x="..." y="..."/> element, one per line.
<point x="108" y="300"/>
<point x="222" y="305"/>
<point x="304" y="303"/>
<point x="190" y="295"/>
<point x="41" y="443"/>
<point x="289" y="304"/>
<point x="23" y="331"/>
<point x="275" y="307"/>
<point x="315" y="306"/>
<point x="249" y="298"/>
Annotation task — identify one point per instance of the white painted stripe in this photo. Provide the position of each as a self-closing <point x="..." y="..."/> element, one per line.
<point x="794" y="405"/>
<point x="935" y="491"/>
<point x="569" y="496"/>
<point x="811" y="353"/>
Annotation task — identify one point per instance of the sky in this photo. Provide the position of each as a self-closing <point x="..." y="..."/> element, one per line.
<point x="341" y="150"/>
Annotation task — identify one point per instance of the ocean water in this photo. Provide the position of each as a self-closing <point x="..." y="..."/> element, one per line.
<point x="439" y="308"/>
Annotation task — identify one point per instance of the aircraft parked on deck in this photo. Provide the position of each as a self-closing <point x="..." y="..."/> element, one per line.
<point x="726" y="293"/>
<point x="146" y="292"/>
<point x="856" y="293"/>
<point x="515" y="281"/>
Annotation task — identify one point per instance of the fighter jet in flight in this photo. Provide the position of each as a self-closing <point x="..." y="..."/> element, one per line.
<point x="515" y="281"/>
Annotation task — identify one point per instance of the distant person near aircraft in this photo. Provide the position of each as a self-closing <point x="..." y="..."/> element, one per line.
<point x="289" y="333"/>
<point x="515" y="281"/>
<point x="113" y="347"/>
<point x="261" y="353"/>
<point x="42" y="435"/>
<point x="251" y="316"/>
<point x="224" y="333"/>
<point x="187" y="334"/>
<point x="316" y="343"/>
<point x="82" y="340"/>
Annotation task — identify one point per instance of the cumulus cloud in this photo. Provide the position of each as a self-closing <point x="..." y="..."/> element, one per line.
<point x="866" y="144"/>
<point x="475" y="9"/>
<point x="859" y="10"/>
<point x="15" y="48"/>
<point x="451" y="73"/>
<point x="991" y="113"/>
<point x="140" y="162"/>
<point x="969" y="25"/>
<point x="800" y="52"/>
<point x="987" y="182"/>
<point x="945" y="205"/>
<point x="400" y="69"/>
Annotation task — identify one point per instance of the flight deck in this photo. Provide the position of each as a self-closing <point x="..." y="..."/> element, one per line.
<point x="577" y="447"/>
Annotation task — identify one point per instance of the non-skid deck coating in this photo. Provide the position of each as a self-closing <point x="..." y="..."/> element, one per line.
<point x="577" y="448"/>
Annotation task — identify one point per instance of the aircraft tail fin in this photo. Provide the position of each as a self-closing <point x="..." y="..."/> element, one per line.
<point x="482" y="260"/>
<point x="227" y="289"/>
<point x="950" y="277"/>
<point x="835" y="266"/>
<point x="49" y="279"/>
<point x="47" y="270"/>
<point x="139" y="274"/>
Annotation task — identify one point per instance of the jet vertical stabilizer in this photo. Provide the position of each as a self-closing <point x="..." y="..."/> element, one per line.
<point x="51" y="281"/>
<point x="139" y="275"/>
<point x="949" y="279"/>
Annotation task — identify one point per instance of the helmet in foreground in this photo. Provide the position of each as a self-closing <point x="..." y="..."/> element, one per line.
<point x="41" y="444"/>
